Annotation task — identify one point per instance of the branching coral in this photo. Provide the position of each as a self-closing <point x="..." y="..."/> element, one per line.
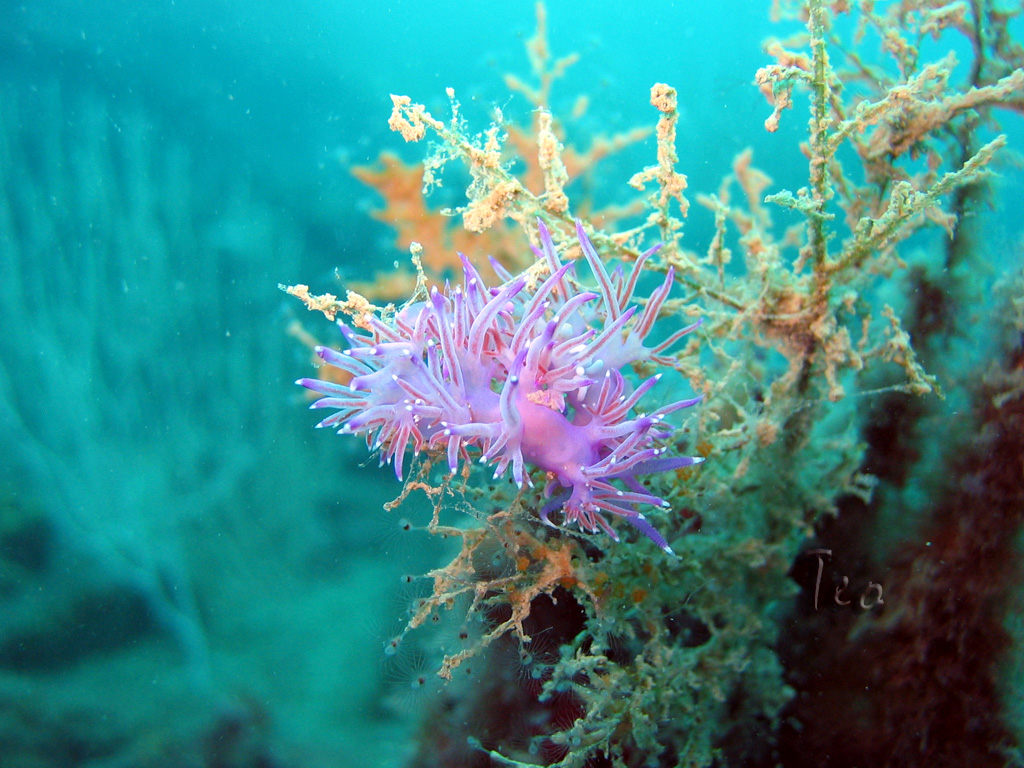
<point x="674" y="664"/>
<point x="545" y="164"/>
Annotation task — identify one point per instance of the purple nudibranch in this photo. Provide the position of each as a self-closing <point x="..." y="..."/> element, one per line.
<point x="524" y="373"/>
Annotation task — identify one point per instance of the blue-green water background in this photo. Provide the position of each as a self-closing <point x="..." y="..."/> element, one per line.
<point x="191" y="575"/>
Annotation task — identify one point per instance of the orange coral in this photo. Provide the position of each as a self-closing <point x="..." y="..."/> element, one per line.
<point x="488" y="228"/>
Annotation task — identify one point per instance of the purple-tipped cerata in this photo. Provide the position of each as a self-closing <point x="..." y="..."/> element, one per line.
<point x="528" y="373"/>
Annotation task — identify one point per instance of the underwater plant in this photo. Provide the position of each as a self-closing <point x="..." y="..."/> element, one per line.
<point x="799" y="293"/>
<point x="527" y="372"/>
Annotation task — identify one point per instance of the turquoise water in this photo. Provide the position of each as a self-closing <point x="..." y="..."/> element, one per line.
<point x="191" y="576"/>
